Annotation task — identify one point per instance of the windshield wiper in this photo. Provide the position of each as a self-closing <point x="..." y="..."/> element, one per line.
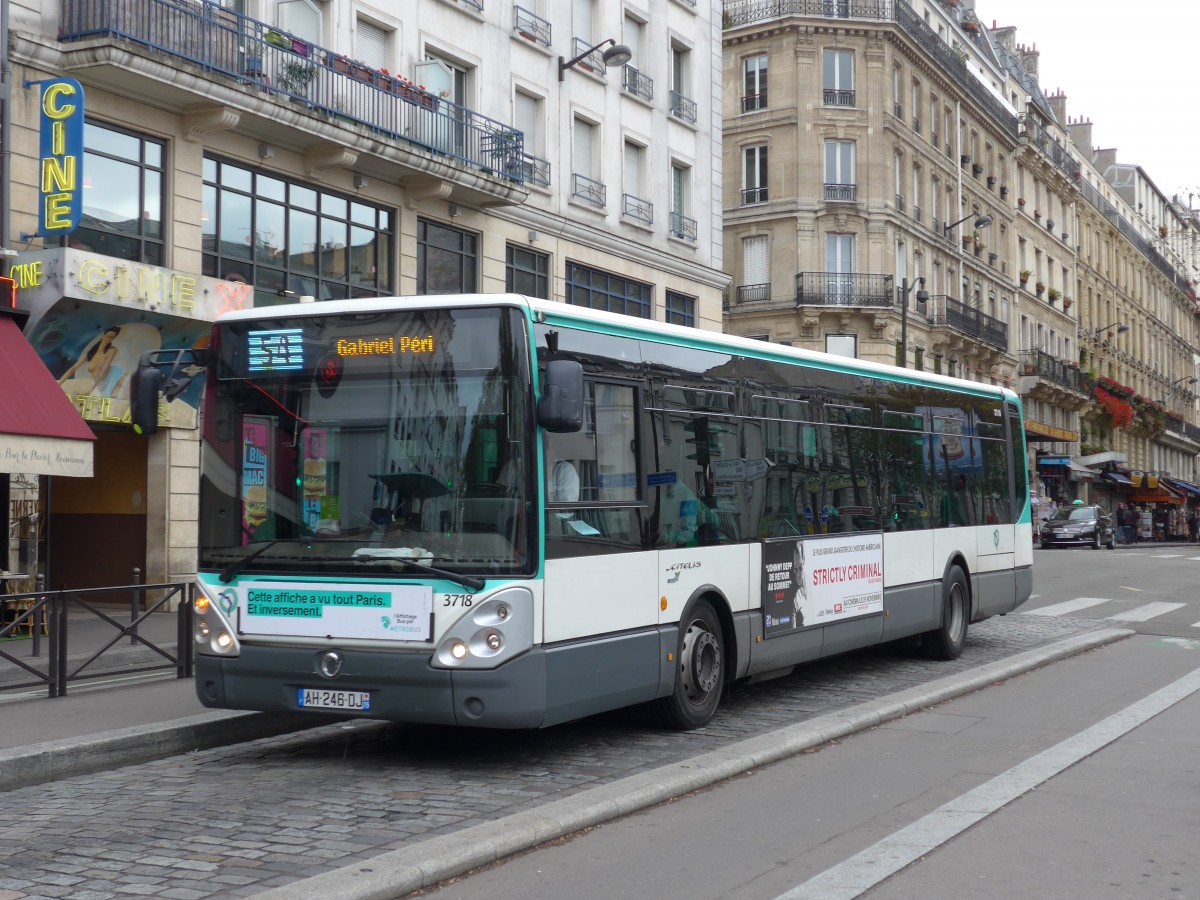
<point x="231" y="570"/>
<point x="375" y="555"/>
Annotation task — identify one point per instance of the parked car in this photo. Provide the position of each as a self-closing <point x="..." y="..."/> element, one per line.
<point x="1090" y="525"/>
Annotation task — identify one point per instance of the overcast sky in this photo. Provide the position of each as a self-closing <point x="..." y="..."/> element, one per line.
<point x="1126" y="67"/>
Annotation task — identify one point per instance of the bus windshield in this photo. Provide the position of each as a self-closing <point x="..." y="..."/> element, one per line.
<point x="369" y="445"/>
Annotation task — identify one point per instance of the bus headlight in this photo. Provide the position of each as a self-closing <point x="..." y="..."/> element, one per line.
<point x="212" y="630"/>
<point x="491" y="632"/>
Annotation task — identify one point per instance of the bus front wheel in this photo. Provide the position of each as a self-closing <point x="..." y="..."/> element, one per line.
<point x="700" y="672"/>
<point x="946" y="641"/>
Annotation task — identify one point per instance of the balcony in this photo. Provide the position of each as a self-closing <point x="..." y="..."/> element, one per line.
<point x="844" y="289"/>
<point x="531" y="26"/>
<point x="637" y="209"/>
<point x="683" y="227"/>
<point x="229" y="70"/>
<point x="753" y="195"/>
<point x="839" y="98"/>
<point x="588" y="190"/>
<point x="844" y="192"/>
<point x="754" y="293"/>
<point x="752" y="102"/>
<point x="682" y="108"/>
<point x="971" y="322"/>
<point x="639" y="84"/>
<point x="1049" y="368"/>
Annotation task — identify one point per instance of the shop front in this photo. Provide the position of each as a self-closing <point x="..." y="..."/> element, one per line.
<point x="92" y="318"/>
<point x="41" y="437"/>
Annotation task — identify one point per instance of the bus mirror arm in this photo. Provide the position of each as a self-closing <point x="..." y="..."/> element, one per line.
<point x="560" y="408"/>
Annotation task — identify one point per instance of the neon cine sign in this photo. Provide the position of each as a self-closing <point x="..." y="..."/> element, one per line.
<point x="60" y="163"/>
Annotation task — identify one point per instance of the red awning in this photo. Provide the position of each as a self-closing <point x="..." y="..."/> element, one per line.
<point x="41" y="431"/>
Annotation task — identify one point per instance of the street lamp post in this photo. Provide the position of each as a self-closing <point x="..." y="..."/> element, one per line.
<point x="1121" y="329"/>
<point x="616" y="55"/>
<point x="922" y="297"/>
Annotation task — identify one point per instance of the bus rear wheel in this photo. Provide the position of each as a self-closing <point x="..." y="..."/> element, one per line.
<point x="946" y="641"/>
<point x="700" y="676"/>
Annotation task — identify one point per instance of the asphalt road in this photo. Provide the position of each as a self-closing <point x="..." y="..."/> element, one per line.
<point x="238" y="820"/>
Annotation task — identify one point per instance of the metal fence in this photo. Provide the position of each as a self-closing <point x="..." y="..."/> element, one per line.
<point x="319" y="82"/>
<point x="971" y="322"/>
<point x="844" y="289"/>
<point x="63" y="619"/>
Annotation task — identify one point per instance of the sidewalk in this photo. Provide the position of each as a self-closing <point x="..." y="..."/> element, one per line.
<point x="113" y="719"/>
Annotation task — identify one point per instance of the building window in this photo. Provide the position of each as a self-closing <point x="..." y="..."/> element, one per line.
<point x="683" y="226"/>
<point x="527" y="117"/>
<point x="754" y="83"/>
<point x="527" y="272"/>
<point x="447" y="259"/>
<point x="603" y="290"/>
<point x="584" y="184"/>
<point x="682" y="107"/>
<point x="837" y="75"/>
<point x="371" y="44"/>
<point x="754" y="174"/>
<point x="634" y="205"/>
<point x="122" y="198"/>
<point x="680" y="309"/>
<point x="839" y="170"/>
<point x="842" y="345"/>
<point x="289" y="236"/>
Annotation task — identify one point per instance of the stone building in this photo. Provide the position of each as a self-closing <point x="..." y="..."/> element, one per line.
<point x="252" y="152"/>
<point x="876" y="152"/>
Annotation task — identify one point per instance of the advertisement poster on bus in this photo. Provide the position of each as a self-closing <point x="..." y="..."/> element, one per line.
<point x="316" y="502"/>
<point x="819" y="580"/>
<point x="256" y="477"/>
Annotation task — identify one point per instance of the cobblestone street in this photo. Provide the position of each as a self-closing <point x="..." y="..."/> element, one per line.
<point x="234" y="821"/>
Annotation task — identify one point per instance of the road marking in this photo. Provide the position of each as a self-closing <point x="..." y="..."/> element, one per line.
<point x="1142" y="613"/>
<point x="1194" y="558"/>
<point x="1126" y="587"/>
<point x="1070" y="606"/>
<point x="865" y="870"/>
<point x="1166" y="555"/>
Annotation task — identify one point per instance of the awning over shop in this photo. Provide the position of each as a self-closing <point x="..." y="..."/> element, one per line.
<point x="41" y="432"/>
<point x="1118" y="478"/>
<point x="1081" y="472"/>
<point x="1185" y="487"/>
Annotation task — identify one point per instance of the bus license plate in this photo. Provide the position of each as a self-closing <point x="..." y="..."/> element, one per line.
<point x="319" y="698"/>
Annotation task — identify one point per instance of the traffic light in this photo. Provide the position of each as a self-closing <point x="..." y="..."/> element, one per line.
<point x="143" y="398"/>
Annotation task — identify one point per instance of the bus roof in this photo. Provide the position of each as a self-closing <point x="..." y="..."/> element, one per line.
<point x="618" y="324"/>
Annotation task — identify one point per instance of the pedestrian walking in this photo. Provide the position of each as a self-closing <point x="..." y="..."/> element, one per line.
<point x="1191" y="524"/>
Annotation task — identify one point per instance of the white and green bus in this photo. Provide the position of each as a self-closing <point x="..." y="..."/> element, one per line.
<point x="501" y="512"/>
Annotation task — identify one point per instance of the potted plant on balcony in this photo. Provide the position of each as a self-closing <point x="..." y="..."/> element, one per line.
<point x="295" y="76"/>
<point x="1037" y="214"/>
<point x="1049" y="224"/>
<point x="1021" y="202"/>
<point x="1025" y="273"/>
<point x="1054" y="295"/>
<point x="1039" y="288"/>
<point x="1067" y="301"/>
<point x="967" y="241"/>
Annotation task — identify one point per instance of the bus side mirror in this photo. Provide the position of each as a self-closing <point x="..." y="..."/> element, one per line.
<point x="560" y="408"/>
<point x="143" y="398"/>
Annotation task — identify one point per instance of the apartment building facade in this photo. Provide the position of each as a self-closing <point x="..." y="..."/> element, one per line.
<point x="879" y="151"/>
<point x="254" y="152"/>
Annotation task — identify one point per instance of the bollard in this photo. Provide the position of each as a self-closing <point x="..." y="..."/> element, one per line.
<point x="134" y="606"/>
<point x="39" y="584"/>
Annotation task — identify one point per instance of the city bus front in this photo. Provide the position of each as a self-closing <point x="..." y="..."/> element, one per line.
<point x="368" y="513"/>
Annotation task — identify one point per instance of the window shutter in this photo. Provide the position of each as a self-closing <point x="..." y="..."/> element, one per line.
<point x="370" y="45"/>
<point x="756" y="264"/>
<point x="582" y="152"/>
<point x="525" y="118"/>
<point x="633" y="169"/>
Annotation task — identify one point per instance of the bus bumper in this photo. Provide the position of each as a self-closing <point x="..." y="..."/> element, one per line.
<point x="404" y="687"/>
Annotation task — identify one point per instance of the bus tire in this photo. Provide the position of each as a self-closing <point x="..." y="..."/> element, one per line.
<point x="946" y="641"/>
<point x="700" y="672"/>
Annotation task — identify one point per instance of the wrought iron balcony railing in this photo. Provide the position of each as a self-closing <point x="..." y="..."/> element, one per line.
<point x="753" y="293"/>
<point x="844" y="289"/>
<point x="531" y="26"/>
<point x="683" y="227"/>
<point x="588" y="190"/>
<point x="974" y="323"/>
<point x="754" y="195"/>
<point x="638" y="209"/>
<point x="838" y="98"/>
<point x="638" y="83"/>
<point x="1050" y="368"/>
<point x="683" y="108"/>
<point x="244" y="51"/>
<point x="745" y="12"/>
<point x="841" y="191"/>
<point x="535" y="171"/>
<point x="751" y="102"/>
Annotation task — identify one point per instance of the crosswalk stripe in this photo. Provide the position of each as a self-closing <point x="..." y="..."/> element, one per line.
<point x="1194" y="558"/>
<point x="1070" y="606"/>
<point x="1142" y="613"/>
<point x="1166" y="555"/>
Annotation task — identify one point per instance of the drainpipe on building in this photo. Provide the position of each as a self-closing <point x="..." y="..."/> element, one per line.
<point x="5" y="159"/>
<point x="958" y="159"/>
